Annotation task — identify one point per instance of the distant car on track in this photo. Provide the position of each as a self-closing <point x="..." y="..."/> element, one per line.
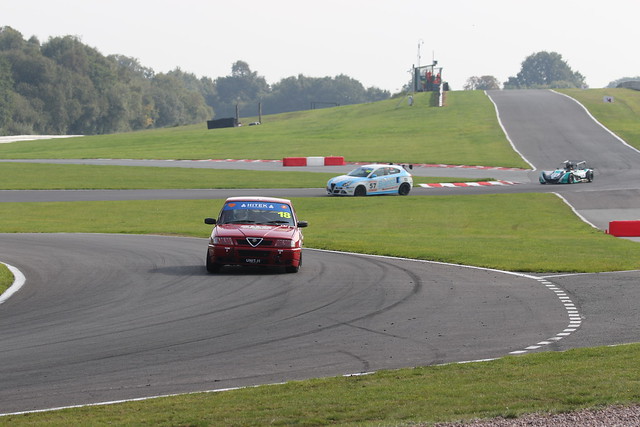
<point x="262" y="231"/>
<point x="373" y="179"/>
<point x="570" y="172"/>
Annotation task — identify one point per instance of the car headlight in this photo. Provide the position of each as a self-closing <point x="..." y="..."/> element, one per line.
<point x="284" y="243"/>
<point x="222" y="241"/>
<point x="347" y="184"/>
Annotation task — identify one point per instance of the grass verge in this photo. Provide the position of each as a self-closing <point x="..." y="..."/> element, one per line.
<point x="47" y="176"/>
<point x="6" y="278"/>
<point x="508" y="232"/>
<point x="507" y="387"/>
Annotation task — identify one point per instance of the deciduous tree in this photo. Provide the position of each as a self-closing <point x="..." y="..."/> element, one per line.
<point x="545" y="70"/>
<point x="482" y="83"/>
<point x="6" y="85"/>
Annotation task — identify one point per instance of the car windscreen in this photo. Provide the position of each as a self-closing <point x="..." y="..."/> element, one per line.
<point x="249" y="212"/>
<point x="361" y="172"/>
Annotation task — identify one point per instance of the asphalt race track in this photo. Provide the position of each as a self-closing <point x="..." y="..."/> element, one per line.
<point x="110" y="317"/>
<point x="547" y="128"/>
<point x="107" y="317"/>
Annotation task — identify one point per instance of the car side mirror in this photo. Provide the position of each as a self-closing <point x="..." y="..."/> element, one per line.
<point x="374" y="176"/>
<point x="210" y="221"/>
<point x="303" y="224"/>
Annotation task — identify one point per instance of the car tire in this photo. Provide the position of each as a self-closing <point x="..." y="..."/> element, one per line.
<point x="360" y="191"/>
<point x="293" y="268"/>
<point x="542" y="178"/>
<point x="212" y="267"/>
<point x="404" y="189"/>
<point x="590" y="176"/>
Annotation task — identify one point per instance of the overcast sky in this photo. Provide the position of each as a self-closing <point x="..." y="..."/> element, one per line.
<point x="373" y="41"/>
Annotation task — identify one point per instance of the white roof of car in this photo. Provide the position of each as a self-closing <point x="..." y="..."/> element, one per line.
<point x="381" y="165"/>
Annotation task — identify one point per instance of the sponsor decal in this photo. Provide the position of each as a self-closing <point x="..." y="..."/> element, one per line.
<point x="277" y="207"/>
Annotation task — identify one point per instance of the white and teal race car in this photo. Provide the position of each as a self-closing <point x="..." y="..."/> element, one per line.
<point x="570" y="172"/>
<point x="373" y="179"/>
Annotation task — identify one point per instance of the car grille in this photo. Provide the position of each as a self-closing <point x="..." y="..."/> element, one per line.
<point x="333" y="189"/>
<point x="244" y="242"/>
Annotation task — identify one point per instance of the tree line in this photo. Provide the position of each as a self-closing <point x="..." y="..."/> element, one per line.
<point x="540" y="70"/>
<point x="63" y="86"/>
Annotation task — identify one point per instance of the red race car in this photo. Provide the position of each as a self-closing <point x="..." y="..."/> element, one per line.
<point x="261" y="231"/>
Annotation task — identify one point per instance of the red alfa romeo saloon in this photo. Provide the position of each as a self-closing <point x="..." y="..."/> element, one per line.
<point x="262" y="231"/>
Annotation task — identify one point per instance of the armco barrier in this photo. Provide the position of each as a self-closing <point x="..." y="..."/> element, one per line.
<point x="624" y="228"/>
<point x="313" y="161"/>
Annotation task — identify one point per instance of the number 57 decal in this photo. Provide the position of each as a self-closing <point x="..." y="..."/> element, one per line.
<point x="373" y="185"/>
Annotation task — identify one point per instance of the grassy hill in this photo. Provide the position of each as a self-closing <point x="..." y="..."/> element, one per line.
<point x="463" y="132"/>
<point x="622" y="116"/>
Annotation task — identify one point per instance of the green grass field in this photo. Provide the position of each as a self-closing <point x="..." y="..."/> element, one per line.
<point x="43" y="176"/>
<point x="6" y="278"/>
<point x="508" y="387"/>
<point x="500" y="231"/>
<point x="507" y="232"/>
<point x="620" y="116"/>
<point x="465" y="132"/>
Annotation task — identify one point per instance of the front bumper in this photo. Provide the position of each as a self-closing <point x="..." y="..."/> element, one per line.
<point x="271" y="257"/>
<point x="335" y="190"/>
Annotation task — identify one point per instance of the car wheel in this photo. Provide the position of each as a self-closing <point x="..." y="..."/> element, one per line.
<point x="404" y="189"/>
<point x="212" y="267"/>
<point x="572" y="179"/>
<point x="590" y="176"/>
<point x="542" y="179"/>
<point x="360" y="191"/>
<point x="292" y="269"/>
